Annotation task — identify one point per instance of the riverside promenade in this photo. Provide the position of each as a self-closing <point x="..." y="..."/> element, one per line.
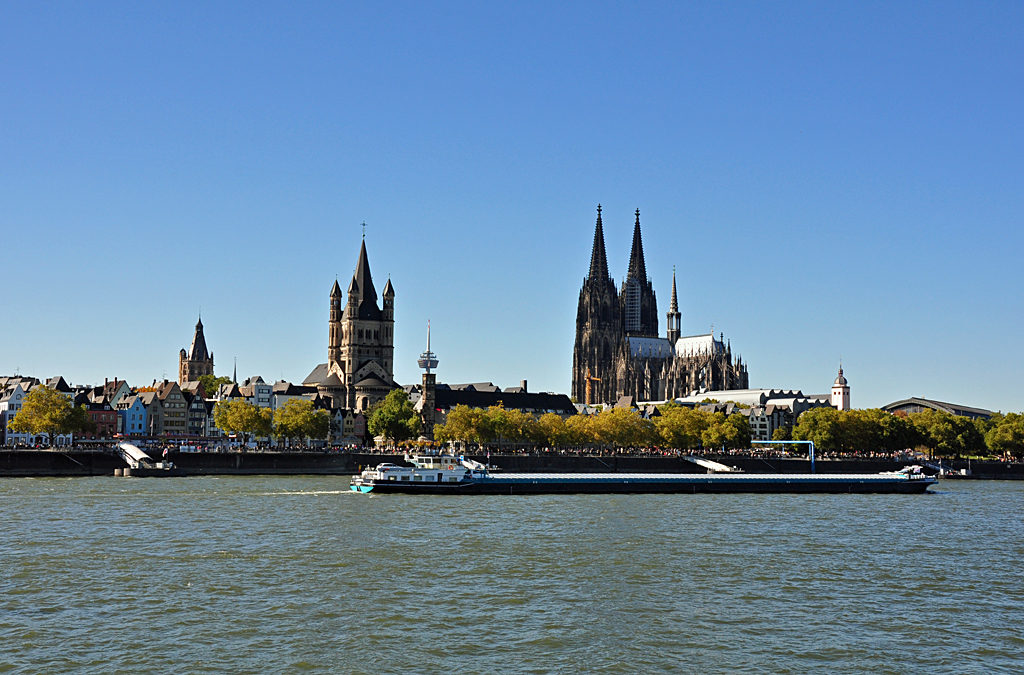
<point x="40" y="463"/>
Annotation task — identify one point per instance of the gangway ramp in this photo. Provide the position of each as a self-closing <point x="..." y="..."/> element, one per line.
<point x="711" y="466"/>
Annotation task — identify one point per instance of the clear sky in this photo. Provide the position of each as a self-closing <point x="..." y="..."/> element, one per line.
<point x="830" y="179"/>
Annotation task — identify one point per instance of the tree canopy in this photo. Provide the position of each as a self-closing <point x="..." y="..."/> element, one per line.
<point x="393" y="418"/>
<point x="298" y="419"/>
<point x="238" y="416"/>
<point x="47" y="411"/>
<point x="211" y="384"/>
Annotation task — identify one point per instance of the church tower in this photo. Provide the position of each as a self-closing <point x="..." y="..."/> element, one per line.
<point x="598" y="328"/>
<point x="639" y="307"/>
<point x="334" y="326"/>
<point x="361" y="345"/>
<point x="674" y="319"/>
<point x="197" y="361"/>
<point x="841" y="392"/>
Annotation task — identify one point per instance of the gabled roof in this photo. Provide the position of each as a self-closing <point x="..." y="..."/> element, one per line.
<point x="59" y="384"/>
<point x="475" y="386"/>
<point x="332" y="380"/>
<point x="317" y="375"/>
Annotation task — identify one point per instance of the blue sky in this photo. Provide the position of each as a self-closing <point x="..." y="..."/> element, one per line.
<point x="838" y="179"/>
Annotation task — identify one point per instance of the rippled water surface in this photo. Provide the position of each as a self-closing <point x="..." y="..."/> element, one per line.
<point x="295" y="574"/>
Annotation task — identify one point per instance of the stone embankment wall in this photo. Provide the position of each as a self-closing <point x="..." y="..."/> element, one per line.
<point x="84" y="463"/>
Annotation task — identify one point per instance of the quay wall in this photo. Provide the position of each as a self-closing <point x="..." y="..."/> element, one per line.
<point x="98" y="463"/>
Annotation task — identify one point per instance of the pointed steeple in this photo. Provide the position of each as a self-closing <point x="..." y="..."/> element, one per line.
<point x="234" y="374"/>
<point x="675" y="319"/>
<point x="598" y="259"/>
<point x="389" y="290"/>
<point x="336" y="290"/>
<point x="637" y="268"/>
<point x="362" y="276"/>
<point x="199" y="352"/>
<point x="673" y="304"/>
<point x="362" y="297"/>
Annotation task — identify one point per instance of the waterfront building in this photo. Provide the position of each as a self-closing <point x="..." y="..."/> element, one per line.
<point x="282" y="392"/>
<point x="104" y="417"/>
<point x="360" y="347"/>
<point x="13" y="391"/>
<point x="196" y="406"/>
<point x="173" y="408"/>
<point x="132" y="411"/>
<point x="618" y="351"/>
<point x="841" y="392"/>
<point x="12" y="397"/>
<point x="915" y="404"/>
<point x="196" y="361"/>
<point x="256" y="391"/>
<point x="154" y="413"/>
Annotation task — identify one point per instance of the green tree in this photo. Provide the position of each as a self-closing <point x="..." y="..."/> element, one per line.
<point x="393" y="418"/>
<point x="949" y="435"/>
<point x="579" y="430"/>
<point x="238" y="416"/>
<point x="1005" y="435"/>
<point x="622" y="428"/>
<point x="469" y="425"/>
<point x="79" y="421"/>
<point x="681" y="427"/>
<point x="211" y="384"/>
<point x="722" y="433"/>
<point x="298" y="419"/>
<point x="822" y="426"/>
<point x="47" y="411"/>
<point x="741" y="423"/>
<point x="553" y="430"/>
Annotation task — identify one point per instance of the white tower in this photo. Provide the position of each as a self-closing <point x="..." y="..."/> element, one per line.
<point x="841" y="391"/>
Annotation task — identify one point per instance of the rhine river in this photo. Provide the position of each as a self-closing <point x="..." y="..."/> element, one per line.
<point x="298" y="574"/>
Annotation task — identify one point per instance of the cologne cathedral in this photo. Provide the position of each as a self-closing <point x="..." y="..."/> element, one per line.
<point x="618" y="351"/>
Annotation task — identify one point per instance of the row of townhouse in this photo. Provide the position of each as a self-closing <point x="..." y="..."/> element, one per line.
<point x="165" y="409"/>
<point x="13" y="391"/>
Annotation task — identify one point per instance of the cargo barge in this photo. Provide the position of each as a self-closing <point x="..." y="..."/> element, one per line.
<point x="451" y="475"/>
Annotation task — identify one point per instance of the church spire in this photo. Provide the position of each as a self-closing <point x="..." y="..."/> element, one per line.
<point x="673" y="304"/>
<point x="637" y="268"/>
<point x="674" y="323"/>
<point x="199" y="352"/>
<point x="364" y="282"/>
<point x="598" y="259"/>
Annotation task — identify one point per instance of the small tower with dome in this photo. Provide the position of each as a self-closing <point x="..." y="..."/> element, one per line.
<point x="841" y="391"/>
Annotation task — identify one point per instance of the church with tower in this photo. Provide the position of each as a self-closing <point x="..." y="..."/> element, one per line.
<point x="618" y="351"/>
<point x="196" y="361"/>
<point x="360" y="343"/>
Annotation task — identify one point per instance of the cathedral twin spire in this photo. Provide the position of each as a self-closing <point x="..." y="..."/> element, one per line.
<point x="599" y="259"/>
<point x="637" y="268"/>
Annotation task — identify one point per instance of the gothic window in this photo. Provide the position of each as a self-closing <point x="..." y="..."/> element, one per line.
<point x="360" y="333"/>
<point x="376" y="335"/>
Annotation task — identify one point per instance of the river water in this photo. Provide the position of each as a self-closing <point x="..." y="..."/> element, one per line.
<point x="298" y="574"/>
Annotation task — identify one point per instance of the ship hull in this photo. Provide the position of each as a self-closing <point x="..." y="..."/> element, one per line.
<point x="676" y="484"/>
